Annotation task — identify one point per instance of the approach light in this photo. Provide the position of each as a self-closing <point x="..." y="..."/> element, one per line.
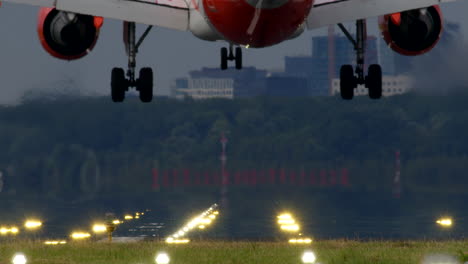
<point x="300" y="241"/>
<point x="128" y="217"/>
<point x="284" y="216"/>
<point x="80" y="235"/>
<point x="286" y="221"/>
<point x="19" y="258"/>
<point x="55" y="242"/>
<point x="201" y="227"/>
<point x="117" y="222"/>
<point x="32" y="224"/>
<point x="308" y="257"/>
<point x="14" y="230"/>
<point x="290" y="228"/>
<point x="445" y="222"/>
<point x="99" y="228"/>
<point x="216" y="212"/>
<point x="162" y="258"/>
<point x="212" y="216"/>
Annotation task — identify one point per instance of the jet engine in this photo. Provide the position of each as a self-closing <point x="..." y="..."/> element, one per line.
<point x="413" y="32"/>
<point x="67" y="36"/>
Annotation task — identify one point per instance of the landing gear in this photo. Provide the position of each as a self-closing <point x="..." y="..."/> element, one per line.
<point x="348" y="80"/>
<point x="119" y="83"/>
<point x="231" y="56"/>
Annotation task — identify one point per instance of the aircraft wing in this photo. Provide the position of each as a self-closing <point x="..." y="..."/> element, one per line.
<point x="330" y="12"/>
<point x="173" y="14"/>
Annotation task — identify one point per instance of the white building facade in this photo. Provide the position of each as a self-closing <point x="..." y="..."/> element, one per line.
<point x="391" y="85"/>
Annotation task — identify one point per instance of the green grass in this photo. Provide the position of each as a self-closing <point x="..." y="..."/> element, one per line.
<point x="328" y="252"/>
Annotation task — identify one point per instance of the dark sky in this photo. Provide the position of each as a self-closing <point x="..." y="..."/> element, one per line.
<point x="25" y="66"/>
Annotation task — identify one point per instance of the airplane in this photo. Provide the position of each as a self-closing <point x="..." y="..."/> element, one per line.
<point x="69" y="29"/>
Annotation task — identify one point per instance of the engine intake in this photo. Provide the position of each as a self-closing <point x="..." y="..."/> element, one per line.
<point x="413" y="32"/>
<point x="65" y="35"/>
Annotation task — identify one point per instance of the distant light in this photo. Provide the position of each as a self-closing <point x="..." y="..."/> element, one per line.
<point x="12" y="230"/>
<point x="300" y="241"/>
<point x="212" y="216"/>
<point x="32" y="224"/>
<point x="128" y="217"/>
<point x="286" y="221"/>
<point x="116" y="222"/>
<point x="19" y="258"/>
<point x="284" y="216"/>
<point x="177" y="241"/>
<point x="55" y="242"/>
<point x="216" y="212"/>
<point x="445" y="222"/>
<point x="308" y="257"/>
<point x="162" y="258"/>
<point x="137" y="214"/>
<point x="201" y="227"/>
<point x="137" y="217"/>
<point x="290" y="228"/>
<point x="99" y="228"/>
<point x="80" y="235"/>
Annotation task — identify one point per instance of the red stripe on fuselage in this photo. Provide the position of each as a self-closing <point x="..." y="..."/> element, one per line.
<point x="241" y="23"/>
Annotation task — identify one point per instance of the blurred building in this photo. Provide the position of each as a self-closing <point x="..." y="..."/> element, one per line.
<point x="391" y="85"/>
<point x="315" y="68"/>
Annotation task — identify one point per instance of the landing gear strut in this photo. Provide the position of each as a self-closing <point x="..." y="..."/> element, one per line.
<point x="348" y="80"/>
<point x="231" y="56"/>
<point x="121" y="84"/>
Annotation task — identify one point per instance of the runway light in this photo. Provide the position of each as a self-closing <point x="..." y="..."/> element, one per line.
<point x="308" y="257"/>
<point x="32" y="224"/>
<point x="286" y="222"/>
<point x="216" y="212"/>
<point x="290" y="228"/>
<point x="177" y="241"/>
<point x="128" y="217"/>
<point x="99" y="228"/>
<point x="284" y="216"/>
<point x="212" y="216"/>
<point x="80" y="235"/>
<point x="201" y="227"/>
<point x="162" y="258"/>
<point x="445" y="222"/>
<point x="117" y="222"/>
<point x="12" y="230"/>
<point x="55" y="242"/>
<point x="300" y="241"/>
<point x="19" y="258"/>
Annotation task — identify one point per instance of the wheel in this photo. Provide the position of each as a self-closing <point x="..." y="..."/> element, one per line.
<point x="145" y="85"/>
<point x="374" y="81"/>
<point x="224" y="58"/>
<point x="238" y="58"/>
<point x="118" y="85"/>
<point x="347" y="82"/>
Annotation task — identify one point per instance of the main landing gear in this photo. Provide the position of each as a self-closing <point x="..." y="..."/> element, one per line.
<point x="348" y="80"/>
<point x="121" y="84"/>
<point x="231" y="56"/>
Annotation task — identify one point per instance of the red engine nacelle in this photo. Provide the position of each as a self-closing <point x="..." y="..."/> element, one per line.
<point x="67" y="36"/>
<point x="413" y="32"/>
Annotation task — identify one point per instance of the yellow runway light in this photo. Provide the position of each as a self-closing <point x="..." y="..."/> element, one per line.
<point x="201" y="227"/>
<point x="6" y="231"/>
<point x="32" y="224"/>
<point x="445" y="222"/>
<point x="212" y="216"/>
<point x="216" y="212"/>
<point x="80" y="235"/>
<point x="128" y="217"/>
<point x="178" y="241"/>
<point x="290" y="228"/>
<point x="286" y="222"/>
<point x="284" y="216"/>
<point x="55" y="242"/>
<point x="117" y="222"/>
<point x="99" y="228"/>
<point x="300" y="241"/>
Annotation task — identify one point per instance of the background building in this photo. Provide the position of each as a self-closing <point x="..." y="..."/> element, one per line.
<point x="391" y="85"/>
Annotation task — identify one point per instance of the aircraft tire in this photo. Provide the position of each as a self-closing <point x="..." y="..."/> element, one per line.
<point x="118" y="85"/>
<point x="374" y="81"/>
<point x="347" y="82"/>
<point x="145" y="85"/>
